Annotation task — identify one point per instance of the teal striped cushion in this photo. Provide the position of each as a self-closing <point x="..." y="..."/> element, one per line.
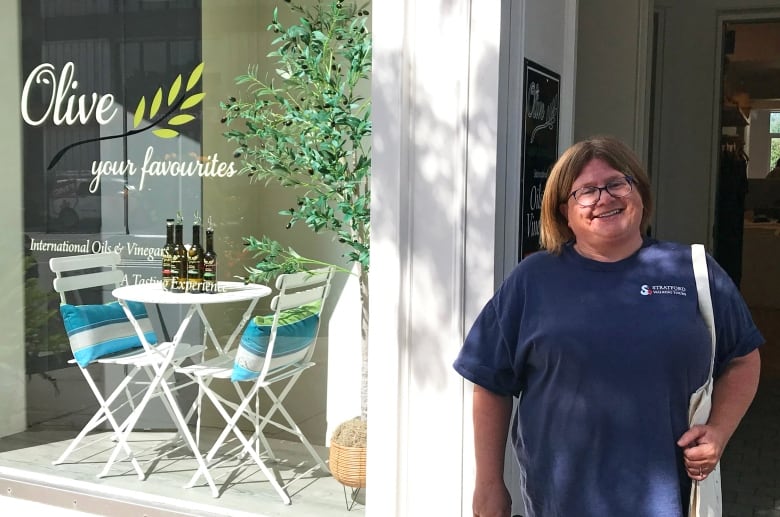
<point x="95" y="331"/>
<point x="297" y="329"/>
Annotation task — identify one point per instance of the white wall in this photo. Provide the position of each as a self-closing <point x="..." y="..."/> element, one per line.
<point x="12" y="364"/>
<point x="425" y="106"/>
<point x="611" y="67"/>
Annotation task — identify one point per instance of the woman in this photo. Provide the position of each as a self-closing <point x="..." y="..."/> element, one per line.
<point x="600" y="337"/>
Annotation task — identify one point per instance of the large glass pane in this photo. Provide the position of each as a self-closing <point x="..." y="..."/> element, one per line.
<point x="88" y="68"/>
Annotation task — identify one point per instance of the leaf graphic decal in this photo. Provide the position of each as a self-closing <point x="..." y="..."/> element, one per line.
<point x="165" y="133"/>
<point x="178" y="120"/>
<point x="139" y="112"/>
<point x="194" y="76"/>
<point x="156" y="102"/>
<point x="177" y="102"/>
<point x="174" y="91"/>
<point x="192" y="100"/>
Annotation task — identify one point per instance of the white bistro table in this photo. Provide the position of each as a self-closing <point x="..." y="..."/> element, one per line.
<point x="153" y="293"/>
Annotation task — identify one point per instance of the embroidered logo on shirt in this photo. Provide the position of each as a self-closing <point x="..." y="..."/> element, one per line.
<point x="649" y="290"/>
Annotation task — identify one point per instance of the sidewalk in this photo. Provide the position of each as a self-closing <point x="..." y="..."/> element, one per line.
<point x="15" y="506"/>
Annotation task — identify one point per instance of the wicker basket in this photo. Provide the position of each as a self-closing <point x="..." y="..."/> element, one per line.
<point x="348" y="465"/>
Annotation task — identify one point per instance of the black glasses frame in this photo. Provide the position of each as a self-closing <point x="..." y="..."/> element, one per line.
<point x="628" y="179"/>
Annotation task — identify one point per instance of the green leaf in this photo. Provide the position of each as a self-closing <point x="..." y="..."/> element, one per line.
<point x="174" y="92"/>
<point x="194" y="76"/>
<point x="306" y="129"/>
<point x="156" y="102"/>
<point x="139" y="112"/>
<point x="165" y="133"/>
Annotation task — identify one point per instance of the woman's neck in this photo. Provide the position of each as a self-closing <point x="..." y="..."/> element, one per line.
<point x="609" y="251"/>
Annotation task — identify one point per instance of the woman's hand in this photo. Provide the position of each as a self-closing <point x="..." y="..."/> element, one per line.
<point x="491" y="499"/>
<point x="702" y="448"/>
<point x="733" y="392"/>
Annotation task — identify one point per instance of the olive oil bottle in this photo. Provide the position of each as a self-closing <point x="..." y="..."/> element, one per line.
<point x="167" y="256"/>
<point x="209" y="262"/>
<point x="195" y="260"/>
<point x="179" y="262"/>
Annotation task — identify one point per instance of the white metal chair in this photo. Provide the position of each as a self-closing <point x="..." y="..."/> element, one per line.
<point x="101" y="333"/>
<point x="272" y="354"/>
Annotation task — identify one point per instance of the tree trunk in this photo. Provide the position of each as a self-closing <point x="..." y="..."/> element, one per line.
<point x="364" y="344"/>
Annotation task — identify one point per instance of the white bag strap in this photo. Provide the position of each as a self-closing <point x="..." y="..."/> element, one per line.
<point x="703" y="288"/>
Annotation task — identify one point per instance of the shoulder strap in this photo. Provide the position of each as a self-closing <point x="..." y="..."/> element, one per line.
<point x="703" y="288"/>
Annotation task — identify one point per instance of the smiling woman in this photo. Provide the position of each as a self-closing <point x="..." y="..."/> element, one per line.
<point x="602" y="427"/>
<point x="598" y="162"/>
<point x="605" y="227"/>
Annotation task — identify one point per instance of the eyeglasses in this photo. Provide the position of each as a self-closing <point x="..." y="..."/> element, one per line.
<point x="589" y="196"/>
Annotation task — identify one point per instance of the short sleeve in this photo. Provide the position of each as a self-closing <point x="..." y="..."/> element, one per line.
<point x="737" y="334"/>
<point x="488" y="355"/>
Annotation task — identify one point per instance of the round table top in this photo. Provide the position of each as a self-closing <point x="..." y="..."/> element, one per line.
<point x="226" y="292"/>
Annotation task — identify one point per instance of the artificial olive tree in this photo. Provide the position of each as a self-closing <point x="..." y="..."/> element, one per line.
<point x="308" y="127"/>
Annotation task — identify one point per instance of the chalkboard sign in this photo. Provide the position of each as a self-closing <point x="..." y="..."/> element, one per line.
<point x="541" y="88"/>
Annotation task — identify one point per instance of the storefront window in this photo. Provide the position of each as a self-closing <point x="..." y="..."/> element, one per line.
<point x="98" y="85"/>
<point x="119" y="128"/>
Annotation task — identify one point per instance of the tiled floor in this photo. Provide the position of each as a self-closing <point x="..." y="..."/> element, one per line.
<point x="751" y="463"/>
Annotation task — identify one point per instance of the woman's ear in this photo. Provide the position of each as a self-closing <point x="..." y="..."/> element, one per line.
<point x="564" y="209"/>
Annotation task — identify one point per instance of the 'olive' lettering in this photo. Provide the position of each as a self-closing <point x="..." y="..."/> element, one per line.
<point x="61" y="105"/>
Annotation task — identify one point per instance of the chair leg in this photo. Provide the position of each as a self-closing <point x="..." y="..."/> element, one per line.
<point x="104" y="413"/>
<point x="247" y="447"/>
<point x="127" y="427"/>
<point x="97" y="419"/>
<point x="268" y="473"/>
<point x="203" y="464"/>
<point x="277" y="406"/>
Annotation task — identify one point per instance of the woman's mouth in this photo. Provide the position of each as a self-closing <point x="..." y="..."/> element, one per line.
<point x="608" y="214"/>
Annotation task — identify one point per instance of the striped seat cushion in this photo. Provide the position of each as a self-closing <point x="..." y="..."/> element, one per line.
<point x="95" y="331"/>
<point x="296" y="331"/>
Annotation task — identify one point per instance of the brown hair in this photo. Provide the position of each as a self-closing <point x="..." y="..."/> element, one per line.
<point x="555" y="231"/>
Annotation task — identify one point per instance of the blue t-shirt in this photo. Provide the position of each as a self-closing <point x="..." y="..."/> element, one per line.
<point x="604" y="357"/>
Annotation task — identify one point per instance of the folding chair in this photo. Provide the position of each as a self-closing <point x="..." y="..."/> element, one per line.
<point x="102" y="333"/>
<point x="274" y="351"/>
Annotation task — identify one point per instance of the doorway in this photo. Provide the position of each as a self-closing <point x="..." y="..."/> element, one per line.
<point x="750" y="112"/>
<point x="746" y="238"/>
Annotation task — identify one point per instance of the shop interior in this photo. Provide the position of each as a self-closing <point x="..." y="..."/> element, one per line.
<point x="747" y="224"/>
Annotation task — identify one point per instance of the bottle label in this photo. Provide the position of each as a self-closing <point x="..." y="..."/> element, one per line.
<point x="166" y="271"/>
<point x="209" y="275"/>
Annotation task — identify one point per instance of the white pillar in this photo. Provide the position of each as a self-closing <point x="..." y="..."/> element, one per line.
<point x="434" y="94"/>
